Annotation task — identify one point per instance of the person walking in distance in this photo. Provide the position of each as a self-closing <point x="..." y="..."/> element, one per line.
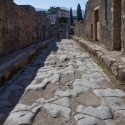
<point x="58" y="35"/>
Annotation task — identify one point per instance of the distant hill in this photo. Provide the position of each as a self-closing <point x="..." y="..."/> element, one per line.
<point x="64" y="8"/>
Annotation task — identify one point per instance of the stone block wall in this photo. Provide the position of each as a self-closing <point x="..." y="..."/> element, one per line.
<point x="123" y="27"/>
<point x="20" y="26"/>
<point x="84" y="28"/>
<point x="104" y="22"/>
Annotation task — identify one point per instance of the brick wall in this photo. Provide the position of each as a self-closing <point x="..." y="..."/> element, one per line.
<point x="21" y="26"/>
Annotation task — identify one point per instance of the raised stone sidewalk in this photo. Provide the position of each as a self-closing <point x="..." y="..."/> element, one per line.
<point x="110" y="60"/>
<point x="15" y="61"/>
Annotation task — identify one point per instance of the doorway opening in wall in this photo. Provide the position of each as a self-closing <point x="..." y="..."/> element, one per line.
<point x="63" y="27"/>
<point x="117" y="25"/>
<point x="91" y="31"/>
<point x="96" y="24"/>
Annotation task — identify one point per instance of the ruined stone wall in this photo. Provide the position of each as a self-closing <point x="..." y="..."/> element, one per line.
<point x="111" y="29"/>
<point x="106" y="23"/>
<point x="85" y="29"/>
<point x="21" y="26"/>
<point x="123" y="27"/>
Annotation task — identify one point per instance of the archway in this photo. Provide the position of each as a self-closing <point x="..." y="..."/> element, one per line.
<point x="64" y="26"/>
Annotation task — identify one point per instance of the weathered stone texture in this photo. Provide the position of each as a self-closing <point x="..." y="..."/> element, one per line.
<point x="123" y="26"/>
<point x="104" y="22"/>
<point x="84" y="29"/>
<point x="21" y="26"/>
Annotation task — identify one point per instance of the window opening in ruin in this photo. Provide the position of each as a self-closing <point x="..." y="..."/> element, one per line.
<point x="0" y="19"/>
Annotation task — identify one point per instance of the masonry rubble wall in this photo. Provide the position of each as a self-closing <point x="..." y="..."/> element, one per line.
<point x="21" y="26"/>
<point x="111" y="28"/>
<point x="123" y="27"/>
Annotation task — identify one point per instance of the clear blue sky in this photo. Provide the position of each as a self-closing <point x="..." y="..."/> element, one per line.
<point x="45" y="4"/>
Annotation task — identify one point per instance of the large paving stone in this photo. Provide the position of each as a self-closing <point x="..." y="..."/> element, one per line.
<point x="109" y="92"/>
<point x="86" y="83"/>
<point x="82" y="119"/>
<point x="22" y="114"/>
<point x="20" y="118"/>
<point x="115" y="103"/>
<point x="56" y="110"/>
<point x="62" y="102"/>
<point x="101" y="112"/>
<point x="53" y="79"/>
<point x="80" y="89"/>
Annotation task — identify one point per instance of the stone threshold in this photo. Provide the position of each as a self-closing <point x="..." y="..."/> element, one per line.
<point x="116" y="67"/>
<point x="19" y="60"/>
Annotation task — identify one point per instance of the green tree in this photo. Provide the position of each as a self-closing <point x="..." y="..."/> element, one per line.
<point x="44" y="12"/>
<point x="71" y="16"/>
<point x="79" y="13"/>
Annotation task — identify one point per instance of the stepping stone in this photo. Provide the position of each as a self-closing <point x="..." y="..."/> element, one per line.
<point x="109" y="92"/>
<point x="57" y="111"/>
<point x="21" y="107"/>
<point x="82" y="119"/>
<point x="115" y="103"/>
<point x="101" y="112"/>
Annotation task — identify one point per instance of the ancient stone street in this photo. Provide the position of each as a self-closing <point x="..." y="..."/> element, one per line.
<point x="62" y="86"/>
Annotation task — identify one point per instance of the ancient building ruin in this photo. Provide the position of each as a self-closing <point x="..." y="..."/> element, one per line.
<point x="104" y="22"/>
<point x="20" y="26"/>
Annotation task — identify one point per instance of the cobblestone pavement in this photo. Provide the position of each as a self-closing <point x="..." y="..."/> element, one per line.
<point x="63" y="86"/>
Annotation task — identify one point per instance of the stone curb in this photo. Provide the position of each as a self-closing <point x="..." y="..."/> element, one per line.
<point x="115" y="67"/>
<point x="9" y="68"/>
